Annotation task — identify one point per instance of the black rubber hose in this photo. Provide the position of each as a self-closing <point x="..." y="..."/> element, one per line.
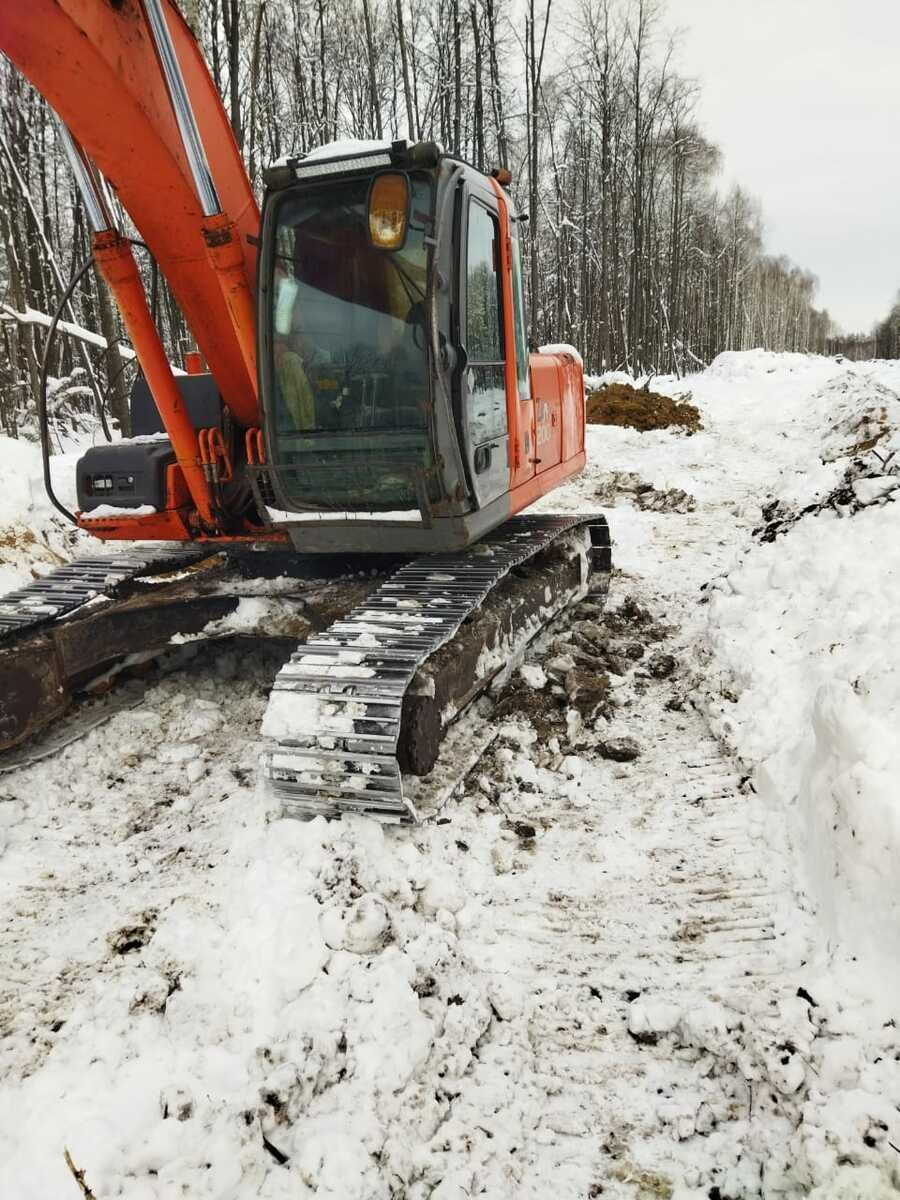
<point x="43" y="423"/>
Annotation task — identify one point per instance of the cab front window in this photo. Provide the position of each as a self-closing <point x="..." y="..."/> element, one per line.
<point x="349" y="376"/>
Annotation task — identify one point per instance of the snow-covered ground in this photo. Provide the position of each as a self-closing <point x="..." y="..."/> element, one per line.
<point x="33" y="535"/>
<point x="651" y="951"/>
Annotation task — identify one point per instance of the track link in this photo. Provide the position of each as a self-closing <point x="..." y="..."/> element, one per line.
<point x="69" y="588"/>
<point x="337" y="706"/>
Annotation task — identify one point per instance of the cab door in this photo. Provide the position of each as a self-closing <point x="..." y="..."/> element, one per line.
<point x="483" y="378"/>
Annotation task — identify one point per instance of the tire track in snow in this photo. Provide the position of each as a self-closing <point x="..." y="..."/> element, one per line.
<point x="649" y="889"/>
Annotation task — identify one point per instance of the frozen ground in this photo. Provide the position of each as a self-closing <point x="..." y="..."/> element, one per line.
<point x="652" y="949"/>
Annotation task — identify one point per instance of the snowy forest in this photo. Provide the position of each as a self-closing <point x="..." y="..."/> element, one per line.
<point x="636" y="256"/>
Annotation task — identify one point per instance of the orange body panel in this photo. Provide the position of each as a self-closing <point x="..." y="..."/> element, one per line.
<point x="519" y="410"/>
<point x="557" y="384"/>
<point x="546" y="431"/>
<point x="168" y="526"/>
<point x="95" y="63"/>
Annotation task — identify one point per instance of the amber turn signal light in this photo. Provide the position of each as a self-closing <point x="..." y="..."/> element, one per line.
<point x="389" y="210"/>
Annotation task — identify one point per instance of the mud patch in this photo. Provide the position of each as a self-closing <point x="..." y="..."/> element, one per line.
<point x="643" y="495"/>
<point x="134" y="936"/>
<point x="865" y="483"/>
<point x="638" y="408"/>
<point x="581" y="669"/>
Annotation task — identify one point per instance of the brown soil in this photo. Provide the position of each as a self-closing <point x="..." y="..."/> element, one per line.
<point x="16" y="538"/>
<point x="622" y="404"/>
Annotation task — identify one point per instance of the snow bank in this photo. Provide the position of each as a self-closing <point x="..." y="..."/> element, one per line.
<point x="32" y="532"/>
<point x="805" y="634"/>
<point x="739" y="365"/>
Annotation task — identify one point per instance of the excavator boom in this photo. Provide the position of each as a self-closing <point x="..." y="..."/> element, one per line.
<point x="97" y="65"/>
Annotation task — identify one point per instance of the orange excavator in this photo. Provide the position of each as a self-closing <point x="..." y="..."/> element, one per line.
<point x="362" y="385"/>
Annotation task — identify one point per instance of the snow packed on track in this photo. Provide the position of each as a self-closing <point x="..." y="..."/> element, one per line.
<point x="649" y="951"/>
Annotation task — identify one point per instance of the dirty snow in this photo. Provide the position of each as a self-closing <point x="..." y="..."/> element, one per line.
<point x="34" y="537"/>
<point x="650" y="951"/>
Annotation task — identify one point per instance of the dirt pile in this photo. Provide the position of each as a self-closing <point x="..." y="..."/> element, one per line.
<point x="637" y="408"/>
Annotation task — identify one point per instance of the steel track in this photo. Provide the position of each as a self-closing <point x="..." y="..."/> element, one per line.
<point x="69" y="588"/>
<point x="338" y="701"/>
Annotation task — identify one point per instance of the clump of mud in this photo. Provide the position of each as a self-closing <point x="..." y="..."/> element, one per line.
<point x="642" y="495"/>
<point x="579" y="665"/>
<point x="638" y="408"/>
<point x="863" y="437"/>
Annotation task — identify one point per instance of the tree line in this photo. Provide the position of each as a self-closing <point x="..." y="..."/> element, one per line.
<point x="883" y="340"/>
<point x="633" y="253"/>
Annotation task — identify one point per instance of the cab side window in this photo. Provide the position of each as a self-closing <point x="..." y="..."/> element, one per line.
<point x="484" y="328"/>
<point x="522" y="373"/>
<point x="483" y="334"/>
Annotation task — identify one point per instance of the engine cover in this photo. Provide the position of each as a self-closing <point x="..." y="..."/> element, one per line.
<point x="125" y="475"/>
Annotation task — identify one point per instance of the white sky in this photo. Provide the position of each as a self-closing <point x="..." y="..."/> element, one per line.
<point x="803" y="99"/>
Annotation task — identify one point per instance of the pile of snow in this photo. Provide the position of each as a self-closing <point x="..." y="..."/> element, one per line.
<point x="34" y="537"/>
<point x="804" y="633"/>
<point x="743" y="365"/>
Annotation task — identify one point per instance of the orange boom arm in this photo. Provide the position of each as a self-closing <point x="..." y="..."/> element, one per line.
<point x="96" y="64"/>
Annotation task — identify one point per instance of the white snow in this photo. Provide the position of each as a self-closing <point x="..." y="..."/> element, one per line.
<point x="33" y="316"/>
<point x="118" y="510"/>
<point x="145" y="439"/>
<point x="674" y="977"/>
<point x="34" y="537"/>
<point x="280" y="516"/>
<point x="346" y="146"/>
<point x="562" y="348"/>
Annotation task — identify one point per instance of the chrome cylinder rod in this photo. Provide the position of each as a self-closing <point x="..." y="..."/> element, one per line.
<point x="91" y="184"/>
<point x="181" y="106"/>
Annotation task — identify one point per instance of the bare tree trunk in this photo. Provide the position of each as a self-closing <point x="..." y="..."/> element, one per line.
<point x="231" y="18"/>
<point x="534" y="65"/>
<point x="254" y="87"/>
<point x="407" y="89"/>
<point x="373" y="88"/>
<point x="478" y="109"/>
<point x="457" y="79"/>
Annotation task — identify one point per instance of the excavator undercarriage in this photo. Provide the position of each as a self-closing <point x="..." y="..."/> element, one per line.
<point x="390" y="654"/>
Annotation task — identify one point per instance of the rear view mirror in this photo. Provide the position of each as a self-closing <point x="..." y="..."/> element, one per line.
<point x="389" y="210"/>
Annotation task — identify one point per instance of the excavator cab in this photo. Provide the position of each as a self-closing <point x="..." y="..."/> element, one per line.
<point x="394" y="374"/>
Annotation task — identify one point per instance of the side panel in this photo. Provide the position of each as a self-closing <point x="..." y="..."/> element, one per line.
<point x="558" y="386"/>
<point x="573" y="414"/>
<point x="555" y="477"/>
<point x="547" y="391"/>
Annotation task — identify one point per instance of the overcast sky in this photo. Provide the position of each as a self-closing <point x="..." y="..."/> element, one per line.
<point x="803" y="98"/>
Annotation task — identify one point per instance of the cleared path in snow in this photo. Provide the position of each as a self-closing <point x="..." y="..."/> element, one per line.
<point x="649" y="899"/>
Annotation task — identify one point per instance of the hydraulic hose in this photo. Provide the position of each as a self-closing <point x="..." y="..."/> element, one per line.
<point x="43" y="423"/>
